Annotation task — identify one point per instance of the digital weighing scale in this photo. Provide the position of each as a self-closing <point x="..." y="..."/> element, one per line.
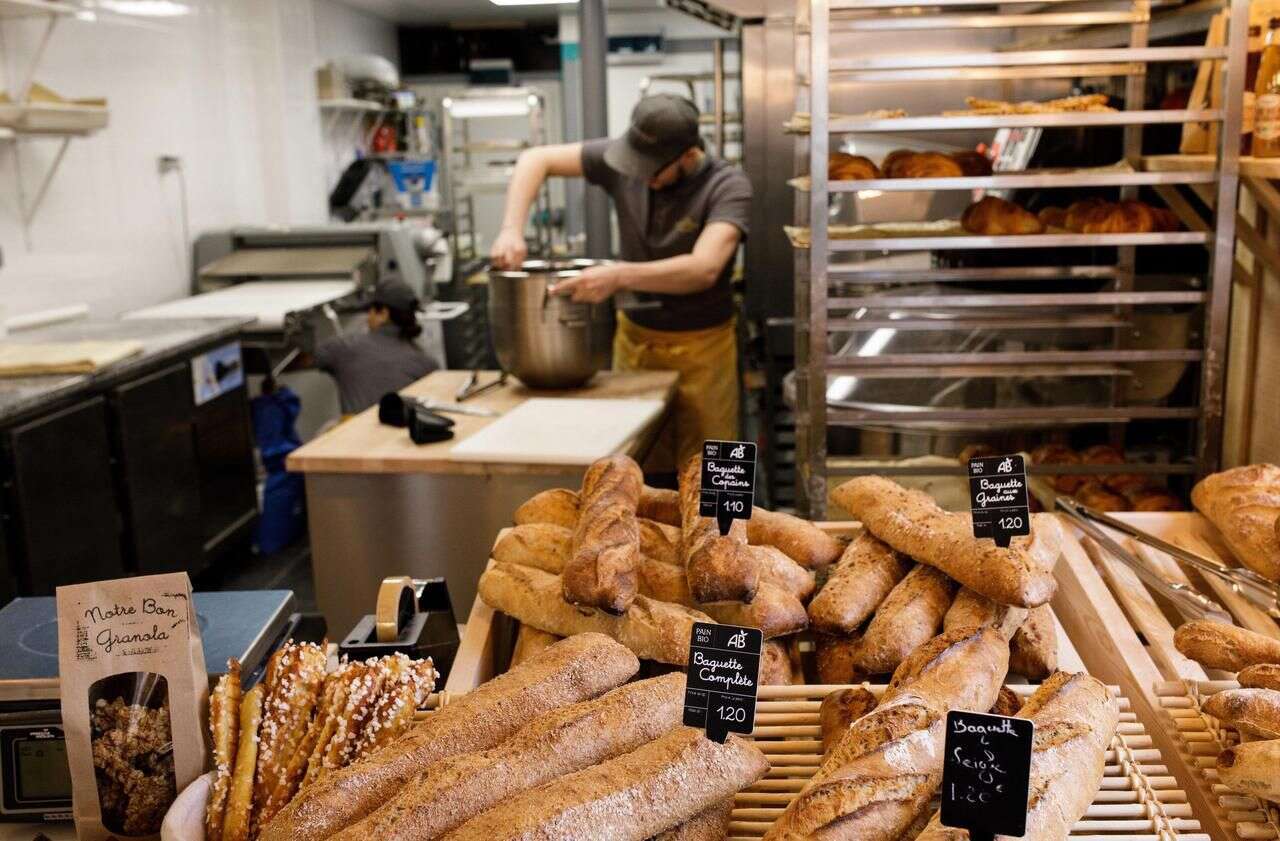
<point x="35" y="784"/>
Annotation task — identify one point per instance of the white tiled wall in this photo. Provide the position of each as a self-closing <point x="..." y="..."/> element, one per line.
<point x="229" y="89"/>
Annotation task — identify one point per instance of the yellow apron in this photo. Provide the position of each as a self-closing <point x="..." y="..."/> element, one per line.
<point x="706" y="402"/>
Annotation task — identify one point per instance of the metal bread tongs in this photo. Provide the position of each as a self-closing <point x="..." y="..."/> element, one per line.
<point x="1249" y="585"/>
<point x="1188" y="600"/>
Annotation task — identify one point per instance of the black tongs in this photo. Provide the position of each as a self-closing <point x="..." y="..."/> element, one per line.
<point x="1244" y="582"/>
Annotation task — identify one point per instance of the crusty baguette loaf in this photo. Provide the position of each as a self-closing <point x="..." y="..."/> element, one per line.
<point x="1007" y="702"/>
<point x="1252" y="711"/>
<point x="909" y="617"/>
<point x="1075" y="718"/>
<point x="711" y="824"/>
<point x="558" y="507"/>
<point x="1250" y="768"/>
<point x="910" y="521"/>
<point x="542" y="545"/>
<point x="1261" y="676"/>
<point x="839" y="710"/>
<point x="529" y="641"/>
<point x="1218" y="646"/>
<point x="661" y="504"/>
<point x="653" y="630"/>
<point x="720" y="568"/>
<point x="834" y="658"/>
<point x="800" y="540"/>
<point x="1244" y="503"/>
<point x="601" y="572"/>
<point x="881" y="774"/>
<point x="1033" y="651"/>
<point x="660" y="542"/>
<point x="774" y="611"/>
<point x="862" y="578"/>
<point x="775" y="664"/>
<point x="973" y="610"/>
<point x="629" y="798"/>
<point x="777" y="569"/>
<point x="665" y="582"/>
<point x="448" y="793"/>
<point x="570" y="671"/>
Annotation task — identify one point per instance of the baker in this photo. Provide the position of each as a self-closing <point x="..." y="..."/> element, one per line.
<point x="681" y="215"/>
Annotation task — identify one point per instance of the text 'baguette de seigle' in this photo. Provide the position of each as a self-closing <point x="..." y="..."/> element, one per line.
<point x="573" y="670"/>
<point x="911" y="522"/>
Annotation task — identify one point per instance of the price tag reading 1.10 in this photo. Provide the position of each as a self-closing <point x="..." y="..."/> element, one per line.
<point x="723" y="679"/>
<point x="998" y="498"/>
<point x="728" y="481"/>
<point x="985" y="774"/>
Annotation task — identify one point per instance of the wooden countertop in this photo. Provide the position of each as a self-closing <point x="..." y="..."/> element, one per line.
<point x="362" y="445"/>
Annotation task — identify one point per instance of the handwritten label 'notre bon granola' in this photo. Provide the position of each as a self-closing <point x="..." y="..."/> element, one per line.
<point x="131" y="629"/>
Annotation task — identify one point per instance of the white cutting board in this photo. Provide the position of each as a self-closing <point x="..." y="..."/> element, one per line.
<point x="559" y="430"/>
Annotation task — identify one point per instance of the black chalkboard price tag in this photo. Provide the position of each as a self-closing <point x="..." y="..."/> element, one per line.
<point x="723" y="679"/>
<point x="986" y="773"/>
<point x="998" y="498"/>
<point x="728" y="481"/>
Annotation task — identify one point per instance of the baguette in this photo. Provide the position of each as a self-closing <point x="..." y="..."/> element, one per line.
<point x="652" y="629"/>
<point x="1218" y="646"/>
<point x="629" y="798"/>
<point x="661" y="504"/>
<point x="1261" y="676"/>
<point x="973" y="610"/>
<point x="860" y="581"/>
<point x="881" y="774"/>
<point x="910" y="521"/>
<point x="798" y="539"/>
<point x="451" y="792"/>
<point x="1250" y="768"/>
<point x="660" y="542"/>
<point x="711" y="824"/>
<point x="224" y="727"/>
<point x="542" y="545"/>
<point x="665" y="582"/>
<point x="778" y="569"/>
<point x="1075" y="718"/>
<point x="601" y="572"/>
<point x="720" y="568"/>
<point x="570" y="671"/>
<point x="1007" y="702"/>
<point x="237" y="823"/>
<point x="557" y="507"/>
<point x="1252" y="711"/>
<point x="1033" y="651"/>
<point x="529" y="641"/>
<point x="774" y="611"/>
<point x="775" y="664"/>
<point x="1244" y="504"/>
<point x="839" y="710"/>
<point x="908" y="618"/>
<point x="835" y="659"/>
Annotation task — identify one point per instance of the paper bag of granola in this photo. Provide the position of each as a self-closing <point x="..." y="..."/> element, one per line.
<point x="133" y="686"/>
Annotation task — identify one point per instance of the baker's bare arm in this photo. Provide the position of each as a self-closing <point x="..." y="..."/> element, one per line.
<point x="533" y="168"/>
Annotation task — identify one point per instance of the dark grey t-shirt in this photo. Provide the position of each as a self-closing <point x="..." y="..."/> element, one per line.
<point x="369" y="364"/>
<point x="656" y="224"/>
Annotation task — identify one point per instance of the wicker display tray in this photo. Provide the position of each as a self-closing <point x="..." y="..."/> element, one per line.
<point x="1201" y="738"/>
<point x="1138" y="799"/>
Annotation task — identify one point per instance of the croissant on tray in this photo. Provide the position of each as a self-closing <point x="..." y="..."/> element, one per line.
<point x="842" y="166"/>
<point x="1099" y="216"/>
<point x="903" y="163"/>
<point x="996" y="217"/>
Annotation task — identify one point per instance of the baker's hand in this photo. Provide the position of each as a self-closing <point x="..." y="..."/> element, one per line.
<point x="596" y="284"/>
<point x="509" y="250"/>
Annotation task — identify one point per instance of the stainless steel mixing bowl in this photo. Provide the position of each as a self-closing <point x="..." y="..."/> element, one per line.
<point x="546" y="340"/>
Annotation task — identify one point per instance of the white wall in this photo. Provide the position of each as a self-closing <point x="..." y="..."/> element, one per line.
<point x="229" y="89"/>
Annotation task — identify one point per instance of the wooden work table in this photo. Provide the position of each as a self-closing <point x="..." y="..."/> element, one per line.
<point x="380" y="505"/>
<point x="363" y="445"/>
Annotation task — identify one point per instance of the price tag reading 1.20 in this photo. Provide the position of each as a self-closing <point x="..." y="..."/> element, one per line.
<point x="998" y="498"/>
<point x="723" y="679"/>
<point x="985" y="774"/>
<point x="728" y="481"/>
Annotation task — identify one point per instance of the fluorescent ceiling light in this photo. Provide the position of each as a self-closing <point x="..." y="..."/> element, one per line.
<point x="533" y="2"/>
<point x="146" y="8"/>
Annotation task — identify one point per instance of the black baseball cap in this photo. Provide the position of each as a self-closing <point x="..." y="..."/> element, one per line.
<point x="393" y="293"/>
<point x="663" y="126"/>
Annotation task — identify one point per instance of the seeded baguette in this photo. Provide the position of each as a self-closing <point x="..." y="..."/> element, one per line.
<point x="974" y="610"/>
<point x="1252" y="711"/>
<point x="865" y="574"/>
<point x="630" y="798"/>
<point x="1218" y="646"/>
<point x="909" y="617"/>
<point x="450" y="792"/>
<point x="839" y="710"/>
<point x="800" y="540"/>
<point x="911" y="522"/>
<point x="570" y="671"/>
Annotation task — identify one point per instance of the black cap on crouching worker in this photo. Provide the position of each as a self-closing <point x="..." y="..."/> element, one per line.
<point x="663" y="126"/>
<point x="393" y="293"/>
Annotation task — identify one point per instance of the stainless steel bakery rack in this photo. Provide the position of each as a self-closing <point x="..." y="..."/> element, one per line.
<point x="838" y="300"/>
